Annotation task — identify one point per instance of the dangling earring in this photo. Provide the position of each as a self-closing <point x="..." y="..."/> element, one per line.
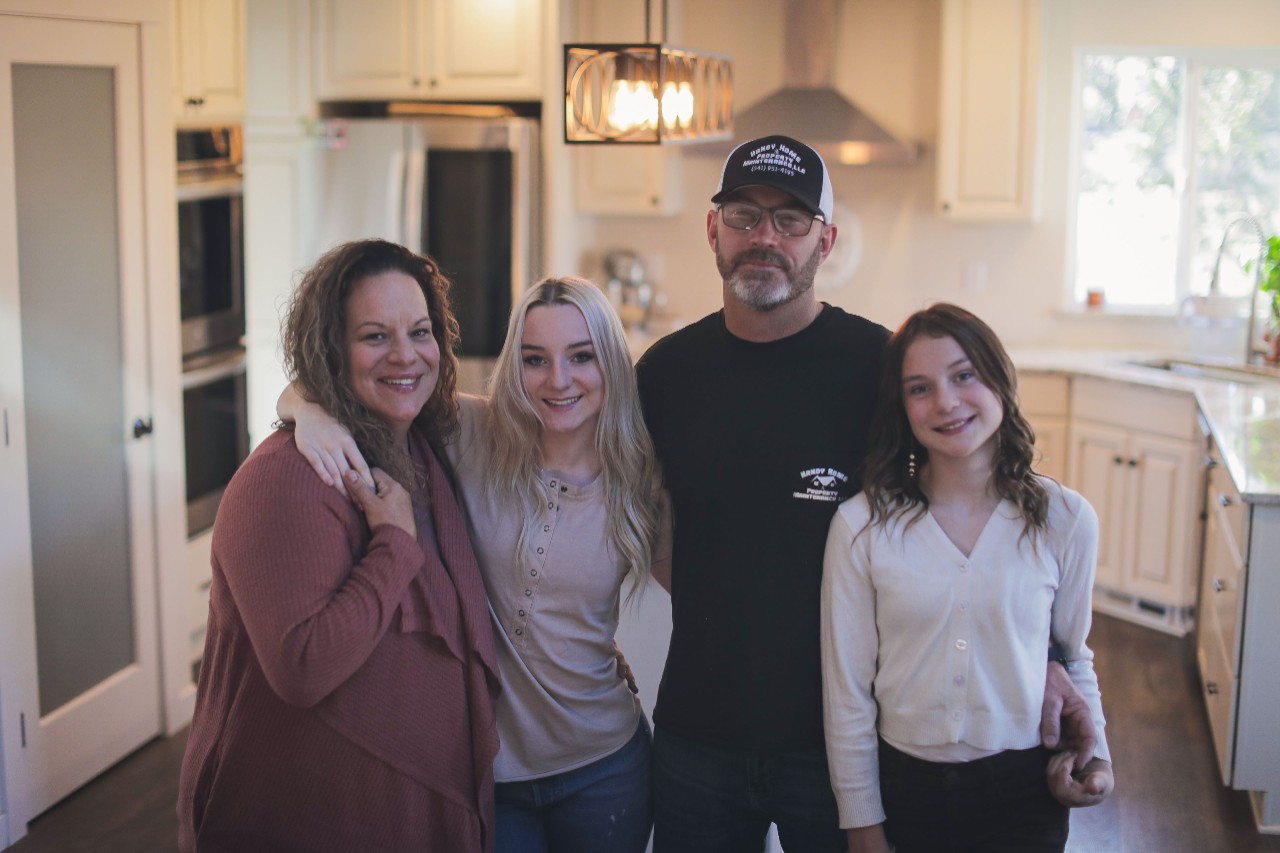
<point x="911" y="465"/>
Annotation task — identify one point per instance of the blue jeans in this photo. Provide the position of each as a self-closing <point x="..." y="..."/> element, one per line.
<point x="602" y="806"/>
<point x="707" y="799"/>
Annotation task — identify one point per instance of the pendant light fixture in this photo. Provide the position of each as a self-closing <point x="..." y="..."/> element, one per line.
<point x="646" y="93"/>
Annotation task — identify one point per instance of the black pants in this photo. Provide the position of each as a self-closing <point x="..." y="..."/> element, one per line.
<point x="998" y="804"/>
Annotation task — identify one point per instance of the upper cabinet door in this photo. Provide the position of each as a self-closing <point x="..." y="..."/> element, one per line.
<point x="428" y="49"/>
<point x="989" y="126"/>
<point x="209" y="59"/>
<point x="485" y="49"/>
<point x="367" y="49"/>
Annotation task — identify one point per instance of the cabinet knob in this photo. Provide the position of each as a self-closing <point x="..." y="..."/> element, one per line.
<point x="141" y="427"/>
<point x="1211" y="687"/>
<point x="1223" y="500"/>
<point x="1133" y="463"/>
<point x="415" y="82"/>
<point x="1119" y="460"/>
<point x="1219" y="585"/>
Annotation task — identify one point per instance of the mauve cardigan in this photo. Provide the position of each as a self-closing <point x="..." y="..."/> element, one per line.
<point x="347" y="687"/>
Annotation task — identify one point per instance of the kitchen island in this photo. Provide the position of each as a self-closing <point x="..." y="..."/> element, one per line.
<point x="1236" y="555"/>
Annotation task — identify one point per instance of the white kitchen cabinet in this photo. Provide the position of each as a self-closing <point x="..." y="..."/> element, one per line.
<point x="1044" y="399"/>
<point x="1220" y="606"/>
<point x="1135" y="456"/>
<point x="209" y="61"/>
<point x="1238" y="641"/>
<point x="627" y="180"/>
<point x="989" y="121"/>
<point x="428" y="49"/>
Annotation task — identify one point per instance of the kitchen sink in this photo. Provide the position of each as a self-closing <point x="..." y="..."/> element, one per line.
<point x="1204" y="369"/>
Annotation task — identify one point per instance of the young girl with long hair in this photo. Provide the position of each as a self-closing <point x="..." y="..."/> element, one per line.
<point x="944" y="583"/>
<point x="556" y="474"/>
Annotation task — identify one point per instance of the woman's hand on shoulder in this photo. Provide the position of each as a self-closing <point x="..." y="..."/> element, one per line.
<point x="322" y="441"/>
<point x="386" y="503"/>
<point x="1079" y="788"/>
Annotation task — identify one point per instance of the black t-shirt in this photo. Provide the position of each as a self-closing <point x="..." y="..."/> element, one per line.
<point x="759" y="443"/>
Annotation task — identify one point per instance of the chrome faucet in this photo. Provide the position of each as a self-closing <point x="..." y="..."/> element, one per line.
<point x="1249" y="341"/>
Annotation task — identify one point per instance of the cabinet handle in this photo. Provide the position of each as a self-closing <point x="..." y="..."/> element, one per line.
<point x="1211" y="687"/>
<point x="1219" y="585"/>
<point x="141" y="427"/>
<point x="1223" y="500"/>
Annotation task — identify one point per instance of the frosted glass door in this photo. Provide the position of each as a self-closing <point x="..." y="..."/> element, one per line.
<point x="74" y="386"/>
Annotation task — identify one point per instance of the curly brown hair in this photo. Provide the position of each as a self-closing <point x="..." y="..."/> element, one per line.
<point x="313" y="336"/>
<point x="890" y="491"/>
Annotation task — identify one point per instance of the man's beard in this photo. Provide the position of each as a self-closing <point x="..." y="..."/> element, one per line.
<point x="764" y="291"/>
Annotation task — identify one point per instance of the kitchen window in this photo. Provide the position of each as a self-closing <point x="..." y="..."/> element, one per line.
<point x="1171" y="148"/>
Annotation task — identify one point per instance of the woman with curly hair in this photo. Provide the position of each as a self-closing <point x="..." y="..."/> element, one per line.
<point x="556" y="473"/>
<point x="944" y="583"/>
<point x="346" y="692"/>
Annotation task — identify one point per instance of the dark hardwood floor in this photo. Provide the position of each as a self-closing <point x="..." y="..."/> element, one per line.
<point x="1168" y="798"/>
<point x="130" y="808"/>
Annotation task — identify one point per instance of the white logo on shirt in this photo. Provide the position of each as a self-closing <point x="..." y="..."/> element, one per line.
<point x="820" y="484"/>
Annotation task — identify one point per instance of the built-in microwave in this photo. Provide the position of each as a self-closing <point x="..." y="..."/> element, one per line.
<point x="217" y="435"/>
<point x="210" y="239"/>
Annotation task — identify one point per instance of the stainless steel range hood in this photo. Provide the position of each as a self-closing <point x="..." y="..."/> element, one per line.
<point x="809" y="107"/>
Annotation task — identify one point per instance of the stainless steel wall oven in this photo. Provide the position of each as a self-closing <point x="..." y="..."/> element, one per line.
<point x="211" y="283"/>
<point x="217" y="434"/>
<point x="210" y="238"/>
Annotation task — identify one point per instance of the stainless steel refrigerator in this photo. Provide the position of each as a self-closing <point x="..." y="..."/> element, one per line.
<point x="464" y="190"/>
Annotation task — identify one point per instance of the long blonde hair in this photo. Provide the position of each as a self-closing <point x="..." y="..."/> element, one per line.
<point x="622" y="442"/>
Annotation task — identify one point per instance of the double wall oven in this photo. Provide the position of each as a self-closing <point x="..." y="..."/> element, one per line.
<point x="211" y="283"/>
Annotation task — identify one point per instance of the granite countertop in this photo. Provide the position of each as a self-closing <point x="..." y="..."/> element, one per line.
<point x="1244" y="418"/>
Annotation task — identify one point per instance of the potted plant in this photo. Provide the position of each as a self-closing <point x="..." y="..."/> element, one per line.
<point x="1269" y="283"/>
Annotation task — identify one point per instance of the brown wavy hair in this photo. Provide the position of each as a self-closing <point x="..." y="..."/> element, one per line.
<point x="890" y="491"/>
<point x="314" y="334"/>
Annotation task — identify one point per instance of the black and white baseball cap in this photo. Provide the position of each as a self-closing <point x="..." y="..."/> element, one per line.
<point x="783" y="163"/>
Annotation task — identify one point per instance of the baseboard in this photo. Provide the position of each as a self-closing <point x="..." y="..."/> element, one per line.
<point x="1168" y="619"/>
<point x="1255" y="800"/>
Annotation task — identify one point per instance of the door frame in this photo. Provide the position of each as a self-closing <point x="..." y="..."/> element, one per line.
<point x="167" y="478"/>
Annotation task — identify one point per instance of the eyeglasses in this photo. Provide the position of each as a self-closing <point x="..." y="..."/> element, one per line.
<point x="787" y="221"/>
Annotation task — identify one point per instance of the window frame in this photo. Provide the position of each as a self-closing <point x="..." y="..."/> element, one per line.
<point x="1195" y="58"/>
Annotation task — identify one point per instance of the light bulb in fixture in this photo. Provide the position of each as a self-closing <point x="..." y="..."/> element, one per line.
<point x="633" y="105"/>
<point x="677" y="104"/>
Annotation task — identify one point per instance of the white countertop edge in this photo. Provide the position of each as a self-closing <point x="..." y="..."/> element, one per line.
<point x="1219" y="402"/>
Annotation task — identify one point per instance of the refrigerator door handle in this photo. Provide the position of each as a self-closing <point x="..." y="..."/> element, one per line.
<point x="395" y="196"/>
<point x="415" y="181"/>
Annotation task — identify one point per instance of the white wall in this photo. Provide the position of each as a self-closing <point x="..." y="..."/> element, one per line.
<point x="888" y="54"/>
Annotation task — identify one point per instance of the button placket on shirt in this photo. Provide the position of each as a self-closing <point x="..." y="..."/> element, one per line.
<point x="533" y="569"/>
<point x="958" y="661"/>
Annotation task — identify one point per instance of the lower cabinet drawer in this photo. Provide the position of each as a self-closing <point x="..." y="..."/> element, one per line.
<point x="1219" y="688"/>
